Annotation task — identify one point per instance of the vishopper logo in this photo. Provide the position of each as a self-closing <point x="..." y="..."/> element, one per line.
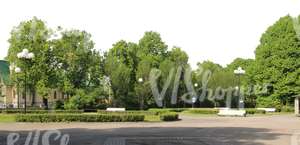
<point x="34" y="137"/>
<point x="192" y="94"/>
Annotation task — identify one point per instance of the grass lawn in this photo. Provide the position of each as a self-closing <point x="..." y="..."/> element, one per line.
<point x="7" y="118"/>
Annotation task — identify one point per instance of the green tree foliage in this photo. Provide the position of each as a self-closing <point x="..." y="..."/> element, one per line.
<point x="65" y="63"/>
<point x="152" y="44"/>
<point x="32" y="35"/>
<point x="120" y="66"/>
<point x="278" y="61"/>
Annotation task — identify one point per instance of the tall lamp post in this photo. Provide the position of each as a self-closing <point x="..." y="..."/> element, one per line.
<point x="194" y="98"/>
<point x="26" y="56"/>
<point x="18" y="70"/>
<point x="140" y="80"/>
<point x="239" y="72"/>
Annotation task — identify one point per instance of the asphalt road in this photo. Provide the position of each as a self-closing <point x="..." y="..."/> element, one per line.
<point x="262" y="130"/>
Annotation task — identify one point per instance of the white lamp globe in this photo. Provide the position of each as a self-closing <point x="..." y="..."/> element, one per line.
<point x="140" y="80"/>
<point x="17" y="70"/>
<point x="30" y="55"/>
<point x="20" y="55"/>
<point x="25" y="51"/>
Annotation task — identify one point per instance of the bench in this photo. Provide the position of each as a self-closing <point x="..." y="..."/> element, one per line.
<point x="267" y="109"/>
<point x="116" y="109"/>
<point x="232" y="112"/>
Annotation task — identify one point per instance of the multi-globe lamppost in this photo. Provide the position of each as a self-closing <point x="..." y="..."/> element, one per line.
<point x="26" y="56"/>
<point x="18" y="70"/>
<point x="239" y="72"/>
<point x="194" y="98"/>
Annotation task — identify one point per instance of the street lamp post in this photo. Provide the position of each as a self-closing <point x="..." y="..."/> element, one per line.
<point x="26" y="56"/>
<point x="140" y="80"/>
<point x="239" y="72"/>
<point x="194" y="99"/>
<point x="18" y="70"/>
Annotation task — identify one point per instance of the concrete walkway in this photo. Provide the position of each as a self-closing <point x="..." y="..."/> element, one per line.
<point x="262" y="130"/>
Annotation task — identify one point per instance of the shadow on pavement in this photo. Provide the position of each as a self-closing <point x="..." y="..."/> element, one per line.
<point x="159" y="136"/>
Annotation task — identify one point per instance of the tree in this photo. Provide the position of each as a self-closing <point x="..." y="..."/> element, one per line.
<point x="142" y="88"/>
<point x="178" y="56"/>
<point x="32" y="35"/>
<point x="120" y="67"/>
<point x="152" y="44"/>
<point x="74" y="53"/>
<point x="65" y="63"/>
<point x="278" y="61"/>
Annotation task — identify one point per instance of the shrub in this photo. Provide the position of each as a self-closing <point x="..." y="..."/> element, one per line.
<point x="67" y="111"/>
<point x="79" y="118"/>
<point x="255" y="111"/>
<point x="85" y="99"/>
<point x="166" y="110"/>
<point x="269" y="102"/>
<point x="287" y="109"/>
<point x="169" y="116"/>
<point x="128" y="112"/>
<point x="16" y="111"/>
<point x="58" y="105"/>
<point x="203" y="111"/>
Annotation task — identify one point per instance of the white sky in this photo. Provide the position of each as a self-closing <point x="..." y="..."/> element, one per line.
<point x="217" y="30"/>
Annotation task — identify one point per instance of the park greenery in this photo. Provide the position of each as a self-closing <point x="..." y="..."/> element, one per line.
<point x="67" y="60"/>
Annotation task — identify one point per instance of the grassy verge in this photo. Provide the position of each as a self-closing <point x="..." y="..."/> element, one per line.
<point x="5" y="118"/>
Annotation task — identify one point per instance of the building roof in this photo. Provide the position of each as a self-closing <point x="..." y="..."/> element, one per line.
<point x="5" y="72"/>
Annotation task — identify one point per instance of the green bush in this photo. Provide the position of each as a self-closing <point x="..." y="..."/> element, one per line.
<point x="58" y="105"/>
<point x="255" y="111"/>
<point x="128" y="112"/>
<point x="169" y="116"/>
<point x="287" y="109"/>
<point x="167" y="110"/>
<point x="79" y="118"/>
<point x="269" y="102"/>
<point x="16" y="111"/>
<point x="85" y="99"/>
<point x="203" y="111"/>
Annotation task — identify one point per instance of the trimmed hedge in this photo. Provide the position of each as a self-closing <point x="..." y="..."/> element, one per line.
<point x="79" y="118"/>
<point x="203" y="111"/>
<point x="169" y="117"/>
<point x="255" y="111"/>
<point x="167" y="110"/>
<point x="16" y="111"/>
<point x="128" y="112"/>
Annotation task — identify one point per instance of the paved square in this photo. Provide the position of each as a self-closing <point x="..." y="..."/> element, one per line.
<point x="258" y="130"/>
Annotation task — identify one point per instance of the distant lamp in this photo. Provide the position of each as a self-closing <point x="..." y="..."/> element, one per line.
<point x="141" y="97"/>
<point x="140" y="80"/>
<point x="17" y="70"/>
<point x="239" y="71"/>
<point x="25" y="54"/>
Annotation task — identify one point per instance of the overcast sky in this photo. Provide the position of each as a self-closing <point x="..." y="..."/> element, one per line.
<point x="217" y="30"/>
